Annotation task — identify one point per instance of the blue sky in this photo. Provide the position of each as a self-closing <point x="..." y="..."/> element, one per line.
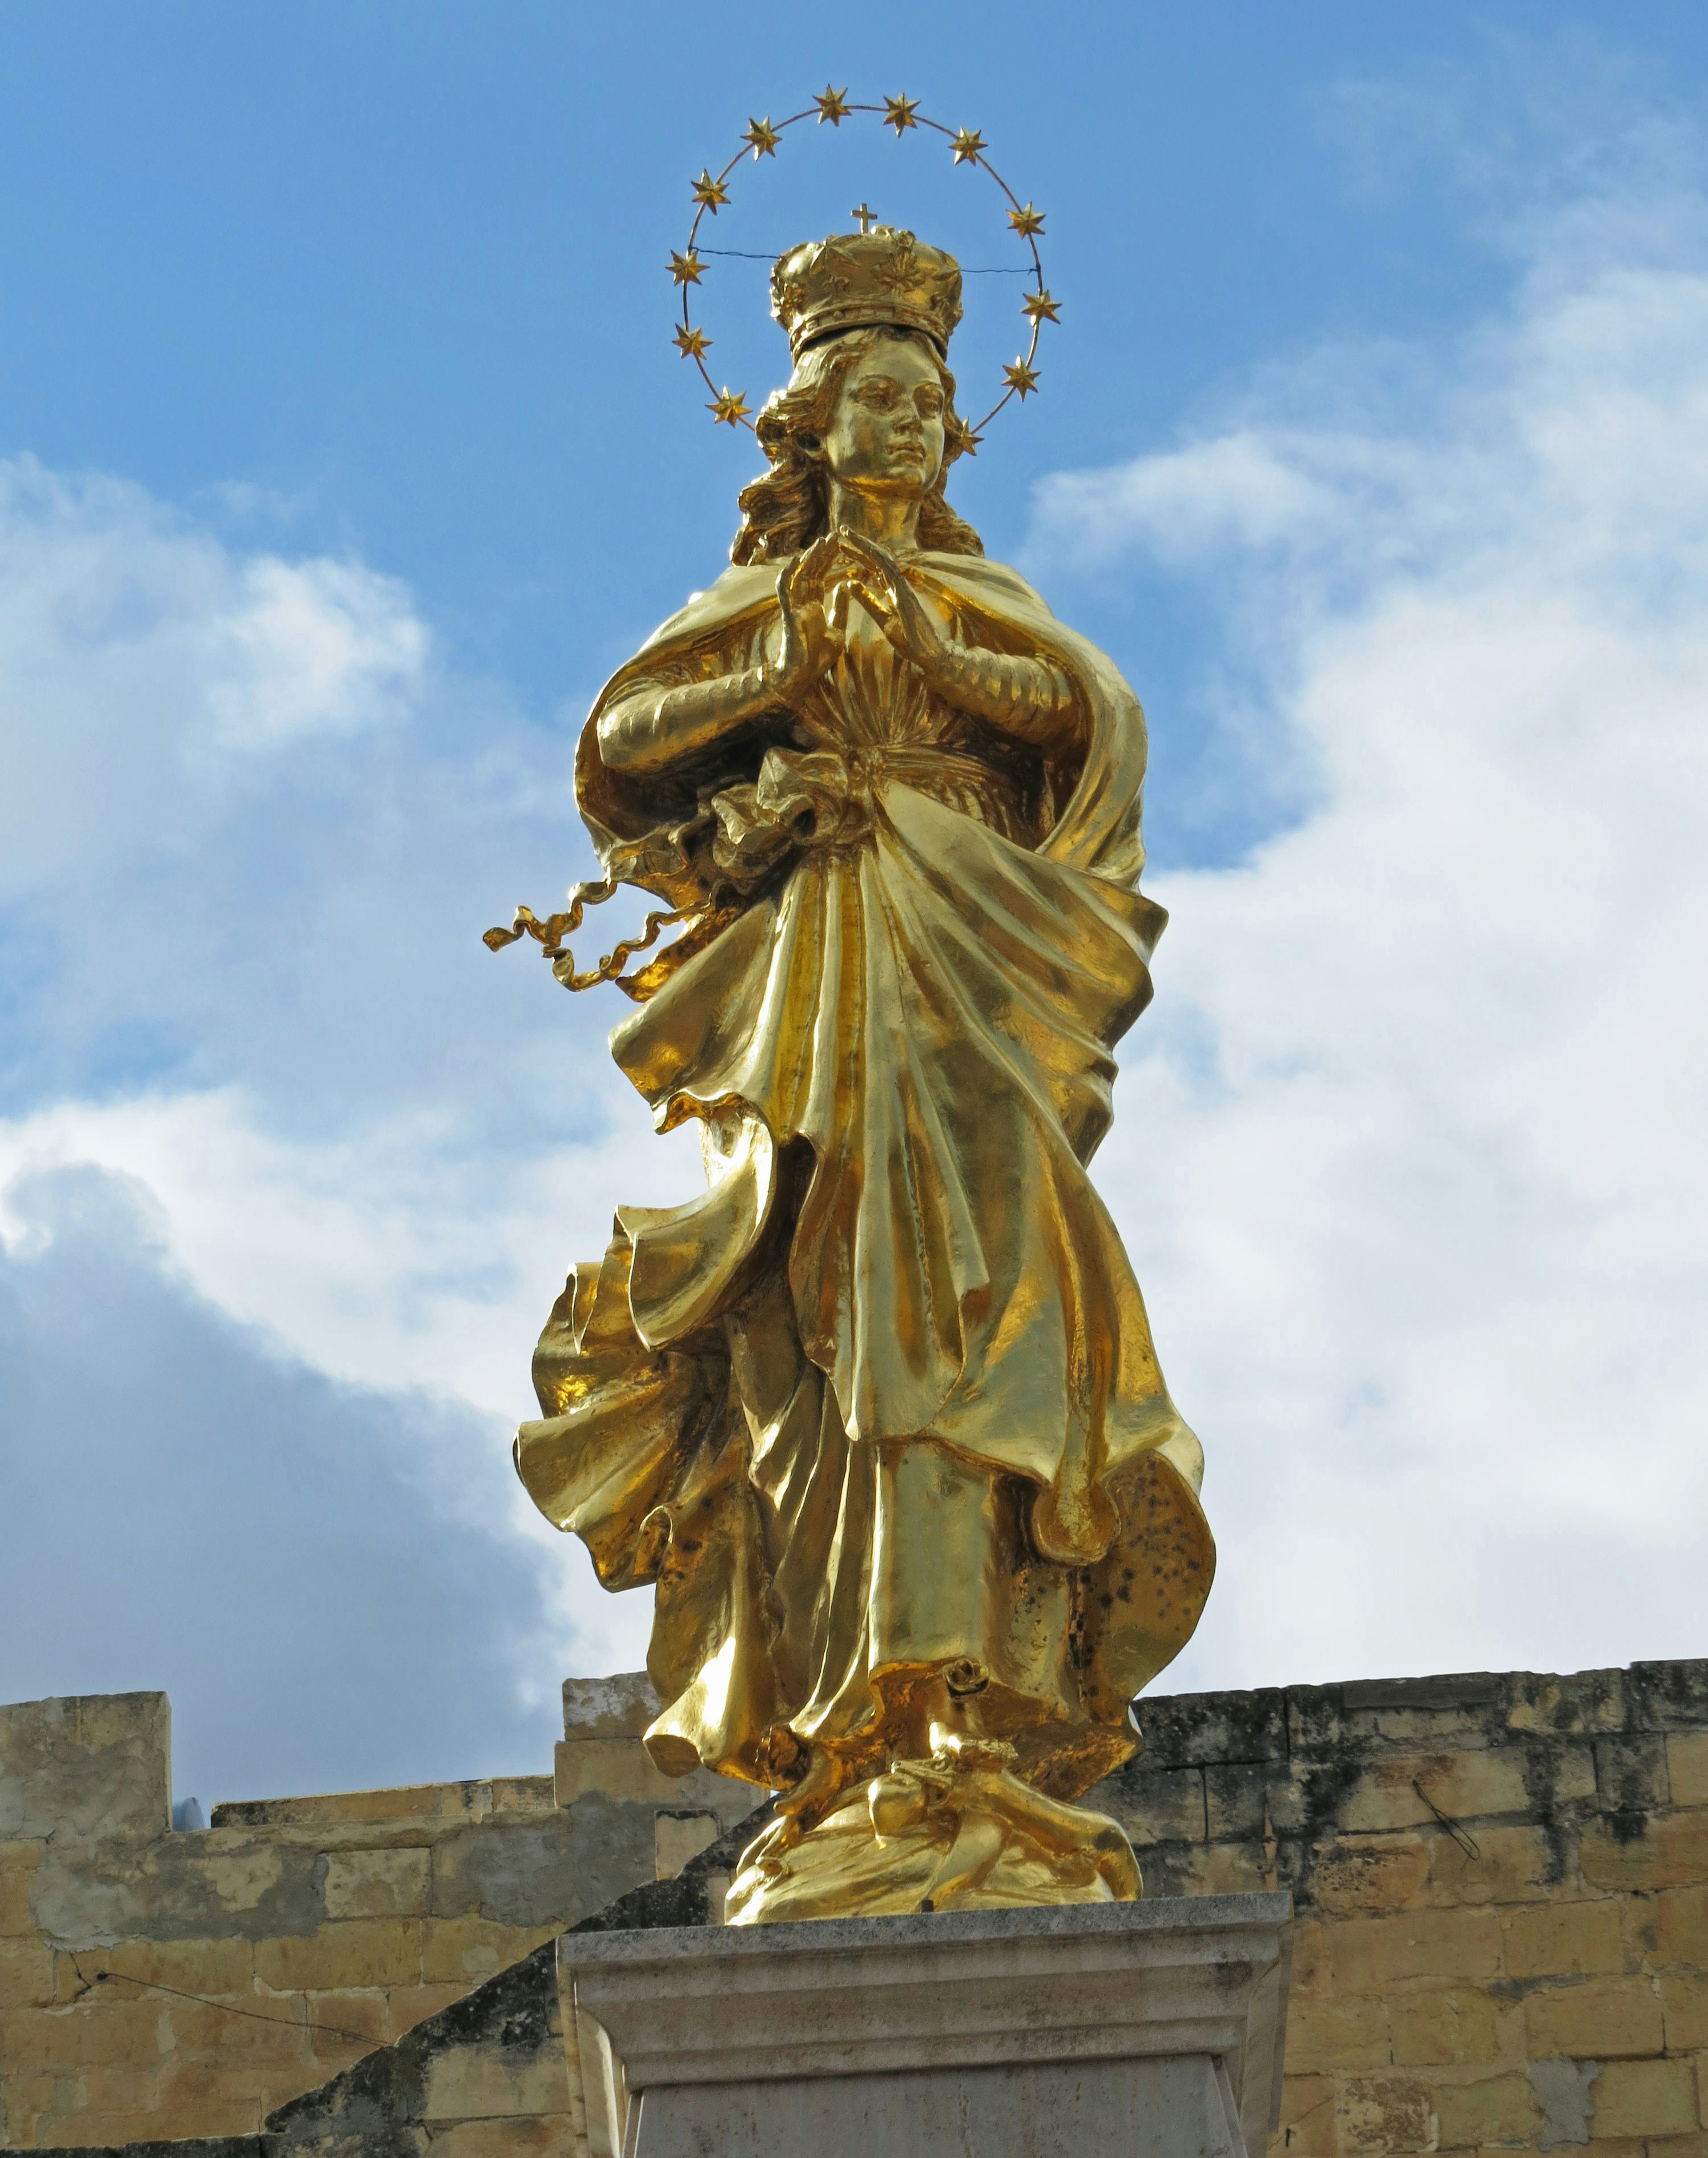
<point x="343" y="451"/>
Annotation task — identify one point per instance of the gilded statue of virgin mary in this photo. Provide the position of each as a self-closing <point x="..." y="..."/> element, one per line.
<point x="877" y="1413"/>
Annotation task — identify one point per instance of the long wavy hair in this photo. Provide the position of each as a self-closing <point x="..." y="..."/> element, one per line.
<point x="790" y="507"/>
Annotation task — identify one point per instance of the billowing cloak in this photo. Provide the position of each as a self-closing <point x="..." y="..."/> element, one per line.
<point x="896" y="1026"/>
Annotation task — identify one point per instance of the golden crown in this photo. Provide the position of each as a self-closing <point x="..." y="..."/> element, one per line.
<point x="856" y="280"/>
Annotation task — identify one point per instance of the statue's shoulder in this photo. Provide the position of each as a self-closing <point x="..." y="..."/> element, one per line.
<point x="994" y="583"/>
<point x="743" y="588"/>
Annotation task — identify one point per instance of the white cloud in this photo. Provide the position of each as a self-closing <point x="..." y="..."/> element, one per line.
<point x="310" y="647"/>
<point x="140" y="654"/>
<point x="1413" y="1152"/>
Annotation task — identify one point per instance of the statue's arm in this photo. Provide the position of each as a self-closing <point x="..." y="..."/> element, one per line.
<point x="654" y="725"/>
<point x="1031" y="698"/>
<point x="1028" y="696"/>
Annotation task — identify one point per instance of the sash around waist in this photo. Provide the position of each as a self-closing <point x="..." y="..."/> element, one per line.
<point x="805" y="800"/>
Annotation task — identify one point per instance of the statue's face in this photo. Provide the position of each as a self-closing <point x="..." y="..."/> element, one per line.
<point x="887" y="434"/>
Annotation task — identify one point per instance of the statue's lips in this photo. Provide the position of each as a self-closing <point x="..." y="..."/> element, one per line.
<point x="905" y="453"/>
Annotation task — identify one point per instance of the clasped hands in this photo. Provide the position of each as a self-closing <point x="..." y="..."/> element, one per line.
<point x="814" y="593"/>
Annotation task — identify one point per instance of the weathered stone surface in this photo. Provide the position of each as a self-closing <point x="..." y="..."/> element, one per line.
<point x="758" y="2040"/>
<point x="1142" y="2108"/>
<point x="619" y="1707"/>
<point x="149" y="1977"/>
<point x="86" y="1766"/>
<point x="1553" y="1895"/>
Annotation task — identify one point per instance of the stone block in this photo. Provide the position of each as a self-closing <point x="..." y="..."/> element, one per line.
<point x="116" y="2093"/>
<point x="348" y="2015"/>
<point x="1594" y="2019"/>
<point x="1510" y="1864"/>
<point x="1054" y="2031"/>
<point x="678" y="1837"/>
<point x="238" y="1874"/>
<point x="1370" y="1873"/>
<point x="1237" y="1800"/>
<point x="24" y="2097"/>
<point x="1631" y="1772"/>
<point x="1645" y="2098"/>
<point x="1563" y="1940"/>
<point x="494" y="2082"/>
<point x="1687" y="1767"/>
<point x="467" y="1949"/>
<point x="213" y="2093"/>
<point x="1492" y="2110"/>
<point x="614" y="1768"/>
<point x="352" y="1953"/>
<point x="1381" y="2115"/>
<point x="1155" y="1805"/>
<point x="1436" y="1693"/>
<point x="1368" y="1718"/>
<point x="1684" y="2004"/>
<point x="1185" y="1730"/>
<point x="86" y="1765"/>
<point x="1671" y="1927"/>
<point x="407" y="2005"/>
<point x="218" y="1967"/>
<point x="401" y="1807"/>
<point x="1143" y="2107"/>
<point x="26" y="1974"/>
<point x="19" y="1861"/>
<point x="267" y="2035"/>
<point x="1207" y="1869"/>
<point x="377" y="1884"/>
<point x="1306" y="2128"/>
<point x="554" y="2137"/>
<point x="1327" y="2036"/>
<point x="1312" y="1972"/>
<point x="618" y="1707"/>
<point x="1374" y="1955"/>
<point x="135" y="2033"/>
<point x="1646" y="1850"/>
<point x="1566" y="1705"/>
<point x="1456" y="2027"/>
<point x="1396" y="1793"/>
<point x="1669" y="1696"/>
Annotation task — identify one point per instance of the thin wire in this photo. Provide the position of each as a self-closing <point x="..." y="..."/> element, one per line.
<point x="1463" y="1836"/>
<point x="255" y="2015"/>
<point x="753" y="255"/>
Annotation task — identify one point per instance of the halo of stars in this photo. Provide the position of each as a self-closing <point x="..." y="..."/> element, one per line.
<point x="760" y="139"/>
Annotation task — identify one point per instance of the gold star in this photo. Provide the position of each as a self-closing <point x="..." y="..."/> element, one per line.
<point x="1039" y="308"/>
<point x="1022" y="378"/>
<point x="731" y="408"/>
<point x="965" y="440"/>
<point x="898" y="113"/>
<point x="1026" y="221"/>
<point x="967" y="145"/>
<point x="709" y="193"/>
<point x="692" y="342"/>
<point x="832" y="106"/>
<point x="762" y="138"/>
<point x="685" y="269"/>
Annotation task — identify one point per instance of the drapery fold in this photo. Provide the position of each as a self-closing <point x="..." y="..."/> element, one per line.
<point x="900" y="1299"/>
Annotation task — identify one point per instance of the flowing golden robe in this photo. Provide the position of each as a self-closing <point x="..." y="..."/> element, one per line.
<point x="881" y="1404"/>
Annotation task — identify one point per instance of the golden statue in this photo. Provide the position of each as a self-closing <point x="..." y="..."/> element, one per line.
<point x="877" y="1413"/>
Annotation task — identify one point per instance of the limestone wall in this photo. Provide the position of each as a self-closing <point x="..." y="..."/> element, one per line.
<point x="1501" y="1884"/>
<point x="155" y="1983"/>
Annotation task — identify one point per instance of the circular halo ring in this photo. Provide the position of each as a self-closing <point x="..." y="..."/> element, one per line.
<point x="711" y="193"/>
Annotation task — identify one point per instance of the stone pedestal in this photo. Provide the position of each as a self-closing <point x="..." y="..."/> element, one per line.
<point x="1149" y="2028"/>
